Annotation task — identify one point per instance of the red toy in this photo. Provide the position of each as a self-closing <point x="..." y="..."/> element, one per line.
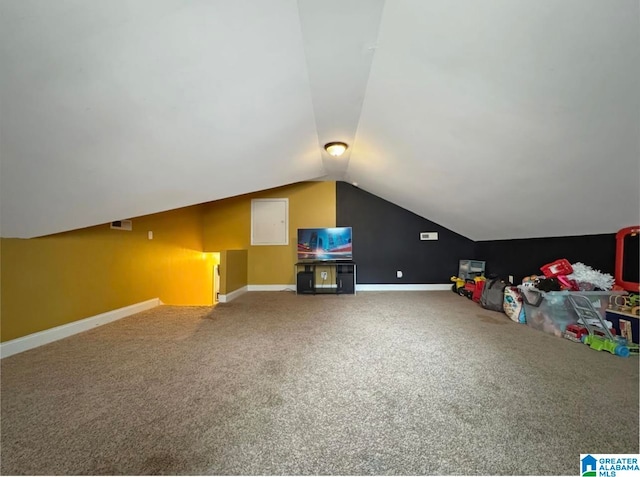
<point x="559" y="267"/>
<point x="568" y="284"/>
<point x="575" y="332"/>
<point x="622" y="233"/>
<point x="477" y="293"/>
<point x="469" y="288"/>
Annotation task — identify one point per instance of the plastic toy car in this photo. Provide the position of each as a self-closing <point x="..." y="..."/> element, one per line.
<point x="576" y="332"/>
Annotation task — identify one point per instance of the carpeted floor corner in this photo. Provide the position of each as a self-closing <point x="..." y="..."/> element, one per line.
<point x="381" y="383"/>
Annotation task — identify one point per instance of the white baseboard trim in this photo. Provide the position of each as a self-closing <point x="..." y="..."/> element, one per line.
<point x="234" y="294"/>
<point x="404" y="287"/>
<point x="272" y="287"/>
<point x="360" y="287"/>
<point x="24" y="343"/>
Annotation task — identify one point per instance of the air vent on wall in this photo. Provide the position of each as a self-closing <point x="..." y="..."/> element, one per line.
<point x="428" y="235"/>
<point x="121" y="225"/>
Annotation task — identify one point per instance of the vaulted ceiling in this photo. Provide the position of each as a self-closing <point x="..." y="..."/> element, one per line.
<point x="495" y="118"/>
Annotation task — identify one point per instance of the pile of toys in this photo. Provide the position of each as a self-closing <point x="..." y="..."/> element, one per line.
<point x="567" y="300"/>
<point x="561" y="275"/>
<point x="491" y="293"/>
<point x="570" y="300"/>
<point x="470" y="287"/>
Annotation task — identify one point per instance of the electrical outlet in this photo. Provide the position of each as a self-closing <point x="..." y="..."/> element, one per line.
<point x="510" y="278"/>
<point x="323" y="275"/>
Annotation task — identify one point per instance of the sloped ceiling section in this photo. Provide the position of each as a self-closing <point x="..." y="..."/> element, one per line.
<point x="506" y="119"/>
<point x="120" y="108"/>
<point x="495" y="118"/>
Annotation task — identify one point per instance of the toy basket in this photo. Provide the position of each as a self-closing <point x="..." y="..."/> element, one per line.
<point x="551" y="312"/>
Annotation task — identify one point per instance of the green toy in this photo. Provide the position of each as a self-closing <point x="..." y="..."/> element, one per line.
<point x="588" y="317"/>
<point x="613" y="346"/>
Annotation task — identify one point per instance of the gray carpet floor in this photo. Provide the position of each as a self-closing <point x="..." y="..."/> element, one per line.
<point x="273" y="383"/>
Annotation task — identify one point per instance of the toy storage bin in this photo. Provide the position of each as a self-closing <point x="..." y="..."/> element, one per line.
<point x="468" y="269"/>
<point x="551" y="312"/>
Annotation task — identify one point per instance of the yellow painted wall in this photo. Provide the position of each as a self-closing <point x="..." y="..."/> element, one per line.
<point x="233" y="270"/>
<point x="54" y="280"/>
<point x="227" y="225"/>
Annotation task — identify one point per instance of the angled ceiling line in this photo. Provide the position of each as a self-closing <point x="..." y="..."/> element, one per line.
<point x="339" y="43"/>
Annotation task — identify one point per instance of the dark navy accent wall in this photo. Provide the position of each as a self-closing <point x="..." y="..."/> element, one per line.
<point x="524" y="257"/>
<point x="386" y="238"/>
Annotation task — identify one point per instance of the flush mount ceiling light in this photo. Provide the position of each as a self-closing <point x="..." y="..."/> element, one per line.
<point x="336" y="149"/>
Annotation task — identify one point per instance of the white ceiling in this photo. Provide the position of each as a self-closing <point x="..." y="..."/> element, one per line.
<point x="495" y="118"/>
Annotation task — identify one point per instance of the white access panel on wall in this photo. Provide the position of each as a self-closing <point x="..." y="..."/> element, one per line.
<point x="270" y="222"/>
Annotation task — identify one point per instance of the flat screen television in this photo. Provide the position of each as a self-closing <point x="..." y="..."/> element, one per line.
<point x="325" y="244"/>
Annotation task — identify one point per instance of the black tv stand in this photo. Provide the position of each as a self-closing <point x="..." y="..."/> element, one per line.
<point x="336" y="277"/>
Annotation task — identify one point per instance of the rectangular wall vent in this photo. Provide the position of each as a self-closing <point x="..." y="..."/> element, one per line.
<point x="428" y="235"/>
<point x="122" y="225"/>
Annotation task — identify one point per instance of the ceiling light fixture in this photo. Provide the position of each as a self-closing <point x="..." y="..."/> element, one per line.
<point x="336" y="149"/>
